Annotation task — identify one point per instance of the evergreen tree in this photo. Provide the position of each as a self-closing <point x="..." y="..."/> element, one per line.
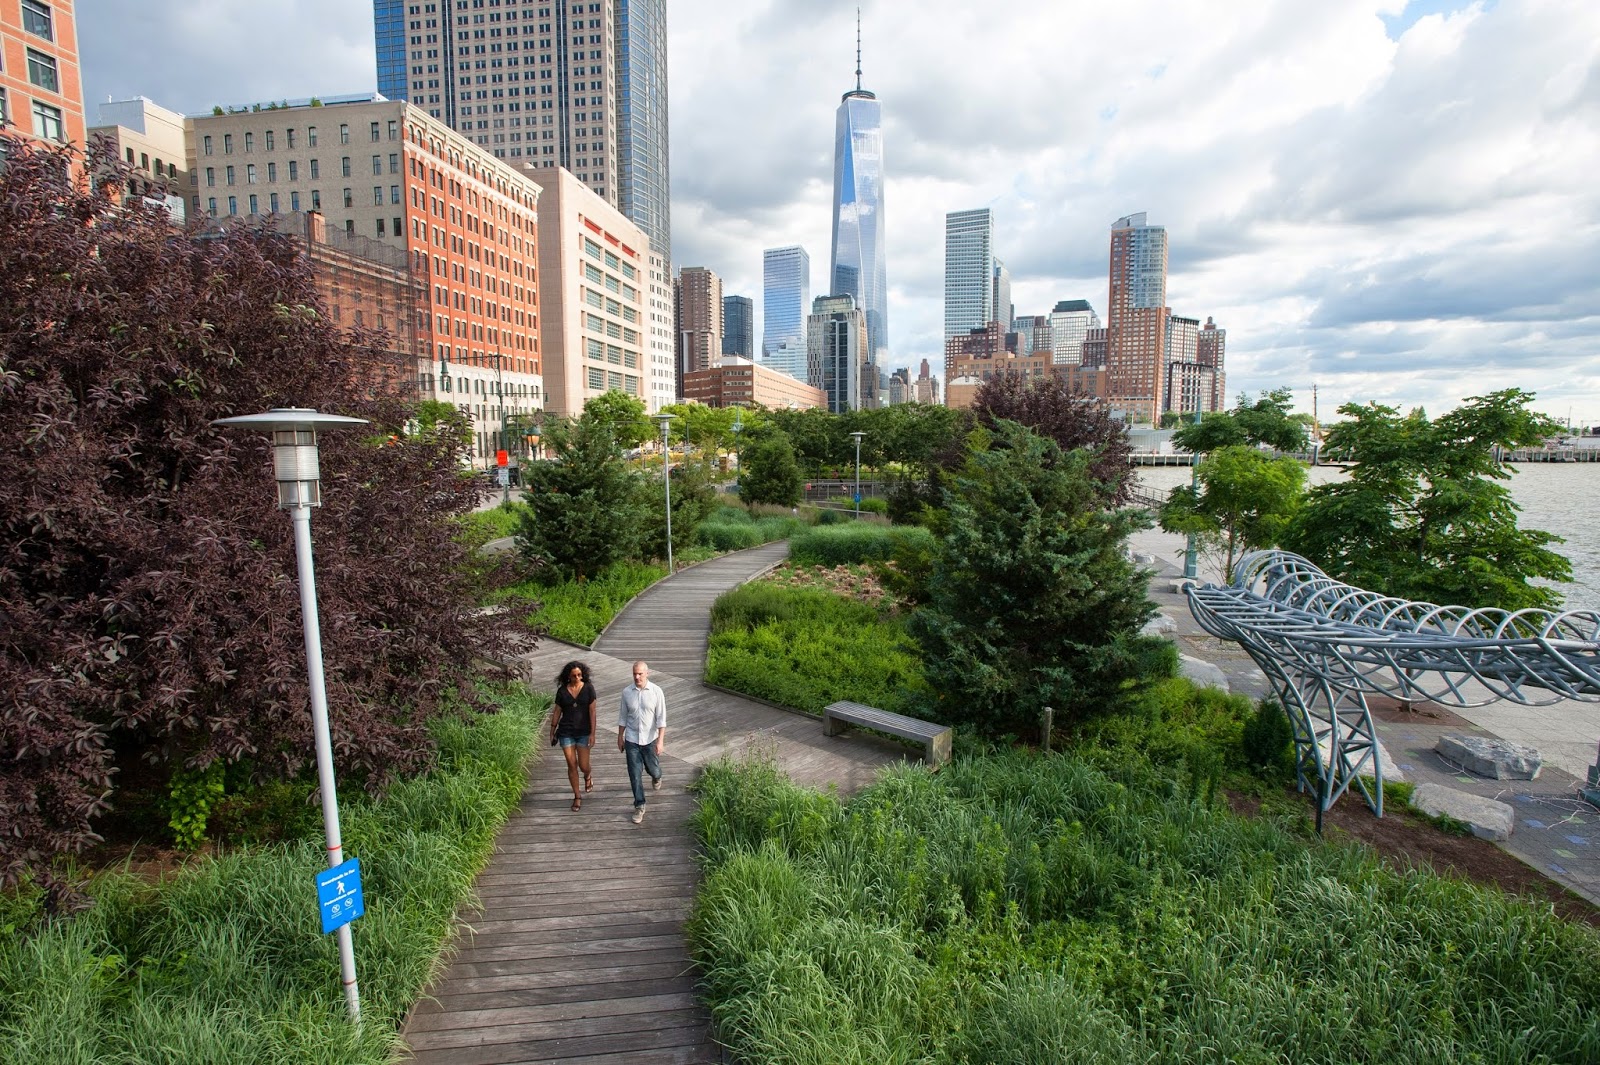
<point x="585" y="506"/>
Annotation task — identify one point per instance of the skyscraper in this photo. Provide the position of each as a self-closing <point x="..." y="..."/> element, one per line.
<point x="1136" y="327"/>
<point x="785" y="298"/>
<point x="968" y="273"/>
<point x="1070" y="322"/>
<point x="836" y="339"/>
<point x="699" y="303"/>
<point x="1210" y="351"/>
<point x="582" y="86"/>
<point x="738" y="326"/>
<point x="1003" y="309"/>
<point x="857" y="268"/>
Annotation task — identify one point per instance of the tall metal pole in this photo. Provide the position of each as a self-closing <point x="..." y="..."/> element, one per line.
<point x="500" y="387"/>
<point x="858" y="434"/>
<point x="1191" y="561"/>
<point x="301" y="515"/>
<point x="666" y="478"/>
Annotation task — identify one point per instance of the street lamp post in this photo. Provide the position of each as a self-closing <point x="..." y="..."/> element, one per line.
<point x="666" y="478"/>
<point x="1191" y="552"/>
<point x="738" y="424"/>
<point x="858" y="434"/>
<point x="294" y="459"/>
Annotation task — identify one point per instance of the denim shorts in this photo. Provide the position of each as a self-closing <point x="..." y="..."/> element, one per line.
<point x="574" y="741"/>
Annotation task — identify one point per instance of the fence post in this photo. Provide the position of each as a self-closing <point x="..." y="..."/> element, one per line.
<point x="1047" y="723"/>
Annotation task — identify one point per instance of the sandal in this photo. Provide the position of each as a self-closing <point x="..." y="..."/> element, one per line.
<point x="588" y="782"/>
<point x="577" y="803"/>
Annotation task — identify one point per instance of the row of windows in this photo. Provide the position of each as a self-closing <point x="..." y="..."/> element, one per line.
<point x="291" y="139"/>
<point x="48" y="121"/>
<point x="345" y="169"/>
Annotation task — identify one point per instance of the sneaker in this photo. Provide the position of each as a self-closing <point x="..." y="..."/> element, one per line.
<point x="638" y="815"/>
<point x="656" y="784"/>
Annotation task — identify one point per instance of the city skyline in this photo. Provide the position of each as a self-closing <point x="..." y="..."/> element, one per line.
<point x="1389" y="200"/>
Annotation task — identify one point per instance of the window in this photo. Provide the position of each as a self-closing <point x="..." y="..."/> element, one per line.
<point x="211" y="175"/>
<point x="344" y="166"/>
<point x="211" y="207"/>
<point x="273" y="201"/>
<point x="294" y="170"/>
<point x="269" y="140"/>
<point x="316" y="200"/>
<point x="42" y="71"/>
<point x="249" y="141"/>
<point x="396" y="226"/>
<point x="250" y="174"/>
<point x="344" y="133"/>
<point x="394" y="163"/>
<point x="315" y="170"/>
<point x="290" y="135"/>
<point x="36" y="19"/>
<point x="229" y="172"/>
<point x="294" y="201"/>
<point x="272" y="171"/>
<point x="144" y="160"/>
<point x="377" y="164"/>
<point x="374" y="131"/>
<point x="381" y="222"/>
<point x="253" y="205"/>
<point x="349" y="227"/>
<point x="233" y="205"/>
<point x="349" y="198"/>
<point x="394" y="130"/>
<point x="377" y="195"/>
<point x="311" y="136"/>
<point x="207" y="144"/>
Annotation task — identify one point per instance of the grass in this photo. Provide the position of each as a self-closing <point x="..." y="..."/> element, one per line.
<point x="1019" y="908"/>
<point x="481" y="526"/>
<point x="224" y="961"/>
<point x="577" y="611"/>
<point x="852" y="542"/>
<point x="806" y="648"/>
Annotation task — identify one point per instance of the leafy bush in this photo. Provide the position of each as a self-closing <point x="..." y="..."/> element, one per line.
<point x="225" y="962"/>
<point x="806" y="648"/>
<point x="1267" y="740"/>
<point x="731" y="536"/>
<point x="1030" y="909"/>
<point x="840" y="545"/>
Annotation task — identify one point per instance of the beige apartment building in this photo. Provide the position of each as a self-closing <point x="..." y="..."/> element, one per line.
<point x="150" y="139"/>
<point x="595" y="267"/>
<point x="389" y="172"/>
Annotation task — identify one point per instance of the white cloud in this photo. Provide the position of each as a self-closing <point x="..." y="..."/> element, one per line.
<point x="1392" y="199"/>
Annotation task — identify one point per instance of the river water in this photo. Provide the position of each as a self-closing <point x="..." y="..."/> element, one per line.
<point x="1560" y="498"/>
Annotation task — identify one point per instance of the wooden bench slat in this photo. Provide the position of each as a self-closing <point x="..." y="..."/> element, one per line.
<point x="935" y="739"/>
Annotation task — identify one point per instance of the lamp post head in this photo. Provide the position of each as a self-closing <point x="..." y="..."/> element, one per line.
<point x="858" y="434"/>
<point x="294" y="449"/>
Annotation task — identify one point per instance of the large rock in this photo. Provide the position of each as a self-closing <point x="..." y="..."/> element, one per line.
<point x="1202" y="672"/>
<point x="1160" y="625"/>
<point x="1489" y="756"/>
<point x="1487" y="818"/>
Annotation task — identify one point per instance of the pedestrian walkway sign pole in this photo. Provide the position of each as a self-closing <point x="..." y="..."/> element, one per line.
<point x="666" y="478"/>
<point x="294" y="459"/>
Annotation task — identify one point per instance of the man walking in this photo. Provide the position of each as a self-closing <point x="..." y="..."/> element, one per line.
<point x="642" y="733"/>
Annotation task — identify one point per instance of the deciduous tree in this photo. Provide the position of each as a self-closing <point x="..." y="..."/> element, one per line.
<point x="768" y="472"/>
<point x="1073" y="420"/>
<point x="1245" y="501"/>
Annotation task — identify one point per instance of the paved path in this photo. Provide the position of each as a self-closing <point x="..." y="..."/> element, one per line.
<point x="1556" y="832"/>
<point x="577" y="953"/>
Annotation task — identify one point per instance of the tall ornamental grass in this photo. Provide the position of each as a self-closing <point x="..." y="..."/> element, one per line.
<point x="1017" y="908"/>
<point x="577" y="611"/>
<point x="224" y="961"/>
<point x="805" y="648"/>
<point x="734" y="529"/>
<point x="855" y="542"/>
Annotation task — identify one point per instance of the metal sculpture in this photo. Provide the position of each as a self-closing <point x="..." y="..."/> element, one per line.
<point x="1325" y="646"/>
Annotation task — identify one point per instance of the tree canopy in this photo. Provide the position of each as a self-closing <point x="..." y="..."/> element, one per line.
<point x="768" y="472"/>
<point x="1266" y="421"/>
<point x="1245" y="501"/>
<point x="621" y="415"/>
<point x="1073" y="420"/>
<point x="149" y="612"/>
<point x="1424" y="513"/>
<point x="585" y="506"/>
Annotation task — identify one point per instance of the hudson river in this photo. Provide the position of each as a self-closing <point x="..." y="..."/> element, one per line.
<point x="1560" y="498"/>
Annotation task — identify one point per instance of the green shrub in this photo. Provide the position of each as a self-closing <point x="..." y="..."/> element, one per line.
<point x="856" y="542"/>
<point x="191" y="796"/>
<point x="875" y="505"/>
<point x="729" y="515"/>
<point x="729" y="536"/>
<point x="1267" y="740"/>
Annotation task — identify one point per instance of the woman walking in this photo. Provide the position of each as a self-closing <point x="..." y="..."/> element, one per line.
<point x="572" y="725"/>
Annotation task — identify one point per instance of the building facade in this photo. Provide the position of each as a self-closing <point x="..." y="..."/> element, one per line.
<point x="925" y="389"/>
<point x="785" y="298"/>
<point x="698" y="296"/>
<point x="738" y="326"/>
<point x="1003" y="310"/>
<point x="575" y="85"/>
<point x="1033" y="333"/>
<point x="857" y="265"/>
<point x="41" y="83"/>
<point x="1136" y="326"/>
<point x="969" y="272"/>
<point x="389" y="172"/>
<point x="1211" y="348"/>
<point x="836" y="353"/>
<point x="593" y="271"/>
<point x="739" y="382"/>
<point x="1070" y="322"/>
<point x="151" y="141"/>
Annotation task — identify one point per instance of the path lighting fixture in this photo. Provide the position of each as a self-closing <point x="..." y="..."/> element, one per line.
<point x="294" y="460"/>
<point x="1191" y="550"/>
<point x="858" y="434"/>
<point x="666" y="477"/>
<point x="738" y="424"/>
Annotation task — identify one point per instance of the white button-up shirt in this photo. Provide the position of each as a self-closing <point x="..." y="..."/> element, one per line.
<point x="644" y="712"/>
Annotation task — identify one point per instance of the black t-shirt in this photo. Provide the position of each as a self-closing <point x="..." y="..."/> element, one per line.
<point x="576" y="710"/>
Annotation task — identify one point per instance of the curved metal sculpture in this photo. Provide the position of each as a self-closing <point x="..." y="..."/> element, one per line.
<point x="1325" y="645"/>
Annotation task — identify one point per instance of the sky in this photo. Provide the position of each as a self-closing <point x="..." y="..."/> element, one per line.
<point x="1394" y="202"/>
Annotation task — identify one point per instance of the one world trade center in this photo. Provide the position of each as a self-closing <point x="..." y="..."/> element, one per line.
<point x="858" y="251"/>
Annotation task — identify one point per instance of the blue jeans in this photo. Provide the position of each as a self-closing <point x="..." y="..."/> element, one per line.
<point x="637" y="753"/>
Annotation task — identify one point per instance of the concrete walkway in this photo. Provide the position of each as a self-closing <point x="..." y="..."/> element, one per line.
<point x="1556" y="832"/>
<point x="576" y="952"/>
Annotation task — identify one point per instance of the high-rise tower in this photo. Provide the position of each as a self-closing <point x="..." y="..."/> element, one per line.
<point x="969" y="271"/>
<point x="1136" y="323"/>
<point x="857" y="267"/>
<point x="544" y="82"/>
<point x="785" y="297"/>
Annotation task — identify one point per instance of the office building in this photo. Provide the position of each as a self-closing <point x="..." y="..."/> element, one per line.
<point x="836" y="355"/>
<point x="738" y="326"/>
<point x="925" y="389"/>
<point x="594" y="319"/>
<point x="969" y="272"/>
<point x="785" y="299"/>
<point x="1136" y="362"/>
<point x="899" y="387"/>
<point x="389" y="172"/>
<point x="1070" y="322"/>
<point x="698" y="298"/>
<point x="576" y="85"/>
<point x="41" y="85"/>
<point x="790" y="358"/>
<point x="1033" y="333"/>
<point x="150" y="140"/>
<point x="857" y="263"/>
<point x="1003" y="310"/>
<point x="1211" y="348"/>
<point x="739" y="382"/>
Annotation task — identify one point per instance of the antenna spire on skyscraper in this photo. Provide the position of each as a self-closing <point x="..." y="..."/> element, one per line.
<point x="858" y="49"/>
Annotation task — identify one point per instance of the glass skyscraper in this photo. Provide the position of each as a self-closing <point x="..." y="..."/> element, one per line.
<point x="644" y="182"/>
<point x="857" y="269"/>
<point x="738" y="326"/>
<point x="969" y="271"/>
<point x="785" y="298"/>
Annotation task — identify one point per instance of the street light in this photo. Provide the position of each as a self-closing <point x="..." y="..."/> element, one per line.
<point x="666" y="477"/>
<point x="858" y="434"/>
<point x="1191" y="560"/>
<point x="294" y="460"/>
<point x="738" y="423"/>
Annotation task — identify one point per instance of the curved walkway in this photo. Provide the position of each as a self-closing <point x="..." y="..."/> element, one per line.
<point x="576" y="952"/>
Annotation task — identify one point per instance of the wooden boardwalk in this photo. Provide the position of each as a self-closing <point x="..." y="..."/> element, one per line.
<point x="577" y="952"/>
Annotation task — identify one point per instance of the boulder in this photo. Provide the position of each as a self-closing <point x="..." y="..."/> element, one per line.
<point x="1489" y="756"/>
<point x="1488" y="819"/>
<point x="1160" y="625"/>
<point x="1202" y="672"/>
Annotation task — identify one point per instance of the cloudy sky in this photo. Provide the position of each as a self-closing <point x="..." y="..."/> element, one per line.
<point x="1394" y="201"/>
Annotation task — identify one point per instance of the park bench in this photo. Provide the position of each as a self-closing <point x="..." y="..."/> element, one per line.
<point x="934" y="739"/>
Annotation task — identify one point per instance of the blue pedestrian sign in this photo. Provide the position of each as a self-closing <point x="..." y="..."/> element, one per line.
<point x="858" y="497"/>
<point x="339" y="895"/>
